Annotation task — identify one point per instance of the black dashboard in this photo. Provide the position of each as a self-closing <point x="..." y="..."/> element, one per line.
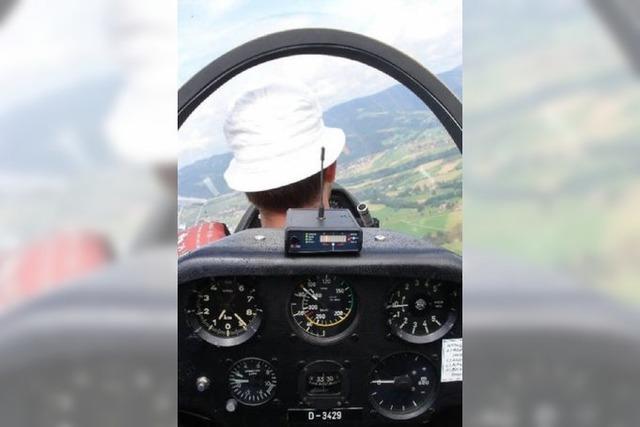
<point x="372" y="339"/>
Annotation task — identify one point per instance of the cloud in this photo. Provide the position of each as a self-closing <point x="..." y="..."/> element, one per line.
<point x="412" y="26"/>
<point x="41" y="51"/>
<point x="429" y="31"/>
<point x="333" y="80"/>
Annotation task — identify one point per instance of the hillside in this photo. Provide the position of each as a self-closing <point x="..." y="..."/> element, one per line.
<point x="369" y="123"/>
<point x="398" y="159"/>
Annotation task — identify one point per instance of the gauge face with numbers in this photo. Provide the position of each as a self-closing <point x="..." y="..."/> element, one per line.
<point x="323" y="308"/>
<point x="252" y="381"/>
<point x="225" y="312"/>
<point x="403" y="386"/>
<point x="421" y="311"/>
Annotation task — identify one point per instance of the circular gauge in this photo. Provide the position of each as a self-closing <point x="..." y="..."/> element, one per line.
<point x="225" y="312"/>
<point x="252" y="381"/>
<point x="421" y="311"/>
<point x="403" y="386"/>
<point x="323" y="308"/>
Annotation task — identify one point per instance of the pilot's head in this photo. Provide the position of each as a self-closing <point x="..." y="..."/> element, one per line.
<point x="276" y="134"/>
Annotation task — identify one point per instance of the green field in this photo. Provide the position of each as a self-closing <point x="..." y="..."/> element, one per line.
<point x="413" y="186"/>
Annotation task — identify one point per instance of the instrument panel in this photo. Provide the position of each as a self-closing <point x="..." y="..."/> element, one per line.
<point x="320" y="348"/>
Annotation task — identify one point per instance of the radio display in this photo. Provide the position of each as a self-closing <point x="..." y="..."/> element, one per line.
<point x="333" y="238"/>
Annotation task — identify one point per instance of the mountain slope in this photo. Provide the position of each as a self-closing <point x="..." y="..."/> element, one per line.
<point x="371" y="124"/>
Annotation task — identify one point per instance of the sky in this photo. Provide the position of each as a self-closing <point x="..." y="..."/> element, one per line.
<point x="37" y="62"/>
<point x="429" y="31"/>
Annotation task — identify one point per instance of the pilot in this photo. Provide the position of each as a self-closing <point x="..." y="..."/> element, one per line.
<point x="276" y="133"/>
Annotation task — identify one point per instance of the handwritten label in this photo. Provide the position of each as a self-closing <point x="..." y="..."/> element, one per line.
<point x="451" y="360"/>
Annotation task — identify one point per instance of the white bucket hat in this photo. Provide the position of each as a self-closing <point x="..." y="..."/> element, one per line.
<point x="276" y="133"/>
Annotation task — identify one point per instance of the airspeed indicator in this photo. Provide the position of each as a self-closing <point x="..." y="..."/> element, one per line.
<point x="323" y="308"/>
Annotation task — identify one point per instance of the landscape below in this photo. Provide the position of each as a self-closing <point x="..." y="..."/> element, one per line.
<point x="398" y="159"/>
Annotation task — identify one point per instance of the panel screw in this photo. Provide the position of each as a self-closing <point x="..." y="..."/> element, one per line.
<point x="202" y="384"/>
<point x="379" y="237"/>
<point x="231" y="405"/>
<point x="259" y="237"/>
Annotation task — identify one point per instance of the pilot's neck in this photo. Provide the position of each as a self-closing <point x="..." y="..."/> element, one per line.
<point x="278" y="219"/>
<point x="270" y="219"/>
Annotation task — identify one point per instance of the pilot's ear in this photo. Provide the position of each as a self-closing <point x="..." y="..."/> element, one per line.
<point x="330" y="173"/>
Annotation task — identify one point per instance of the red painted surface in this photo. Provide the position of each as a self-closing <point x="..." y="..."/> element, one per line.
<point x="200" y="235"/>
<point x="49" y="263"/>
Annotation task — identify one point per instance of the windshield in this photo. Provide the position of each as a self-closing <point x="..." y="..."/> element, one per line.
<point x="398" y="158"/>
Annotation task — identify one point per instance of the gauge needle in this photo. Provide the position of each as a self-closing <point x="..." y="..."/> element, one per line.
<point x="397" y="305"/>
<point x="239" y="381"/>
<point x="311" y="294"/>
<point x="378" y="382"/>
<point x="242" y="322"/>
<point x="222" y="314"/>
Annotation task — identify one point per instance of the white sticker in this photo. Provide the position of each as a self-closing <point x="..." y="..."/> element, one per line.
<point x="451" y="360"/>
